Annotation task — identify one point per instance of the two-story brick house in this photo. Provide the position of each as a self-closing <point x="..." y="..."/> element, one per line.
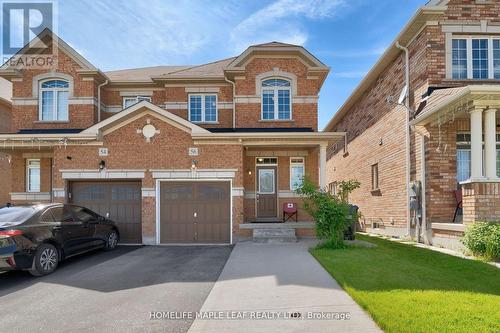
<point x="442" y="131"/>
<point x="174" y="154"/>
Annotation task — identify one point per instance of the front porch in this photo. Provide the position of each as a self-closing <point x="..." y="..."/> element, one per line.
<point x="457" y="130"/>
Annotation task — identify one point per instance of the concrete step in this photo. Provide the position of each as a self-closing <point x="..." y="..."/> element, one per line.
<point x="273" y="235"/>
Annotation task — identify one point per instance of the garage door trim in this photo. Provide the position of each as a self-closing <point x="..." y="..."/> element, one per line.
<point x="158" y="217"/>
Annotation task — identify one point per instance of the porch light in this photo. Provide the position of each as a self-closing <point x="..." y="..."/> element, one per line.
<point x="102" y="165"/>
<point x="249" y="172"/>
<point x="194" y="163"/>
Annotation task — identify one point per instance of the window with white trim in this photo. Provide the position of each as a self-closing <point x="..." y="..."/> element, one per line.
<point x="131" y="100"/>
<point x="464" y="156"/>
<point x="276" y="100"/>
<point x="375" y="184"/>
<point x="297" y="170"/>
<point x="475" y="58"/>
<point x="203" y="108"/>
<point x="53" y="100"/>
<point x="33" y="175"/>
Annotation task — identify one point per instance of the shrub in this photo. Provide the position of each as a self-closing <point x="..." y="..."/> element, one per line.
<point x="483" y="240"/>
<point x="346" y="187"/>
<point x="329" y="212"/>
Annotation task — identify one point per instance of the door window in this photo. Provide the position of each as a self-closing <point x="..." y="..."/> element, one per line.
<point x="266" y="181"/>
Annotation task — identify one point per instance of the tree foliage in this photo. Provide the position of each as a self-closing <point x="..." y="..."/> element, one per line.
<point x="330" y="213"/>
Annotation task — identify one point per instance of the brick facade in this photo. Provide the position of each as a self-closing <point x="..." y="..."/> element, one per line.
<point x="168" y="149"/>
<point x="376" y="129"/>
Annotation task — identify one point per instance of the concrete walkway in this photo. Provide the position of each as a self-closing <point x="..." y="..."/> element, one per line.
<point x="266" y="280"/>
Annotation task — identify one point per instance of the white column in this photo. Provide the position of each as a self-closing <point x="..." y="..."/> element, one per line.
<point x="322" y="165"/>
<point x="490" y="149"/>
<point x="476" y="133"/>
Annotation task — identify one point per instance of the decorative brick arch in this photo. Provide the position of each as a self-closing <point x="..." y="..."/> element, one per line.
<point x="276" y="73"/>
<point x="52" y="75"/>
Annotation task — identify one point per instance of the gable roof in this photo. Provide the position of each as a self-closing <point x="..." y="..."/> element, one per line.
<point x="42" y="38"/>
<point x="144" y="107"/>
<point x="277" y="47"/>
<point x="211" y="70"/>
<point x="143" y="73"/>
<point x="430" y="12"/>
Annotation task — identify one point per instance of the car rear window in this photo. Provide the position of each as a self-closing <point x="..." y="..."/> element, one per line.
<point x="16" y="215"/>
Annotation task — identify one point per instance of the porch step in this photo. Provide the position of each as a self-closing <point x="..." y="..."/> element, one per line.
<point x="274" y="235"/>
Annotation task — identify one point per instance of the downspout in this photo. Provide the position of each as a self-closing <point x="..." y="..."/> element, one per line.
<point x="407" y="133"/>
<point x="99" y="100"/>
<point x="234" y="101"/>
<point x="423" y="186"/>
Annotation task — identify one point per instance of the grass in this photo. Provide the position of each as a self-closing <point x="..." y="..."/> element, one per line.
<point x="409" y="289"/>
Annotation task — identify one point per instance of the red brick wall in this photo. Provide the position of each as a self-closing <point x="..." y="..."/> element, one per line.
<point x="5" y="173"/>
<point x="481" y="202"/>
<point x="249" y="114"/>
<point x="80" y="116"/>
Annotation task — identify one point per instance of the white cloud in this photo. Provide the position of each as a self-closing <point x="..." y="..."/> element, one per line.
<point x="280" y="21"/>
<point x="141" y="32"/>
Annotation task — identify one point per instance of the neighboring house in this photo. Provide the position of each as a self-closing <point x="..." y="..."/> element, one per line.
<point x="174" y="154"/>
<point x="5" y="120"/>
<point x="453" y="97"/>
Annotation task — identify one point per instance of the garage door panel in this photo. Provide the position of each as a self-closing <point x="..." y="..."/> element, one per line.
<point x="121" y="200"/>
<point x="195" y="212"/>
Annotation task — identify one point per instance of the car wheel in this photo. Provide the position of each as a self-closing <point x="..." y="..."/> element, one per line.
<point x="45" y="261"/>
<point x="112" y="240"/>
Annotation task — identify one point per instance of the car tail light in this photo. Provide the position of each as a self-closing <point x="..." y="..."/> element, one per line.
<point x="10" y="232"/>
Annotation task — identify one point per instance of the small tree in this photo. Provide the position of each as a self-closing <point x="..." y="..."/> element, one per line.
<point x="329" y="212"/>
<point x="345" y="187"/>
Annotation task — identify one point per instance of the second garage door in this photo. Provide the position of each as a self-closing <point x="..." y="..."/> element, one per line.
<point x="195" y="212"/>
<point x="121" y="201"/>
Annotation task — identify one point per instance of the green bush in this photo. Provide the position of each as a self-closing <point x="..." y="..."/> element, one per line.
<point x="329" y="212"/>
<point x="483" y="240"/>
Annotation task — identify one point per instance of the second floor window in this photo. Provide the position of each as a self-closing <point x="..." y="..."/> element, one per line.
<point x="276" y="101"/>
<point x="203" y="108"/>
<point x="54" y="100"/>
<point x="131" y="100"/>
<point x="475" y="58"/>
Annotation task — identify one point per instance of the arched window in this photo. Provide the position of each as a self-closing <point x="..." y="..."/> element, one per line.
<point x="54" y="100"/>
<point x="276" y="101"/>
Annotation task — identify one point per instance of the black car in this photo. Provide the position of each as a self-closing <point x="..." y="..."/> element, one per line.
<point x="37" y="237"/>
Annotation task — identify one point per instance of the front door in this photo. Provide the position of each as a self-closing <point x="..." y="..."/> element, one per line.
<point x="267" y="193"/>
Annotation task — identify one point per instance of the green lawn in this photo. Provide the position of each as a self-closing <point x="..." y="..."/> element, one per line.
<point x="408" y="289"/>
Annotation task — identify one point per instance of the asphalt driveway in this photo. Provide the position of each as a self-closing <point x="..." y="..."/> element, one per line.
<point x="113" y="291"/>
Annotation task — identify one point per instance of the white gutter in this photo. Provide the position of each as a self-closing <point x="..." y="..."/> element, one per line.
<point x="234" y="100"/>
<point x="99" y="99"/>
<point x="407" y="134"/>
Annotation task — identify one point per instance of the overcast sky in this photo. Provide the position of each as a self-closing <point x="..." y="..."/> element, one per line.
<point x="347" y="35"/>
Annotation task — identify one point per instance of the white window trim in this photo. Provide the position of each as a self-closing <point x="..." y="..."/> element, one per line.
<point x="292" y="164"/>
<point x="136" y="99"/>
<point x="203" y="120"/>
<point x="55" y="112"/>
<point x="275" y="92"/>
<point x="375" y="176"/>
<point x="28" y="168"/>
<point x="491" y="74"/>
